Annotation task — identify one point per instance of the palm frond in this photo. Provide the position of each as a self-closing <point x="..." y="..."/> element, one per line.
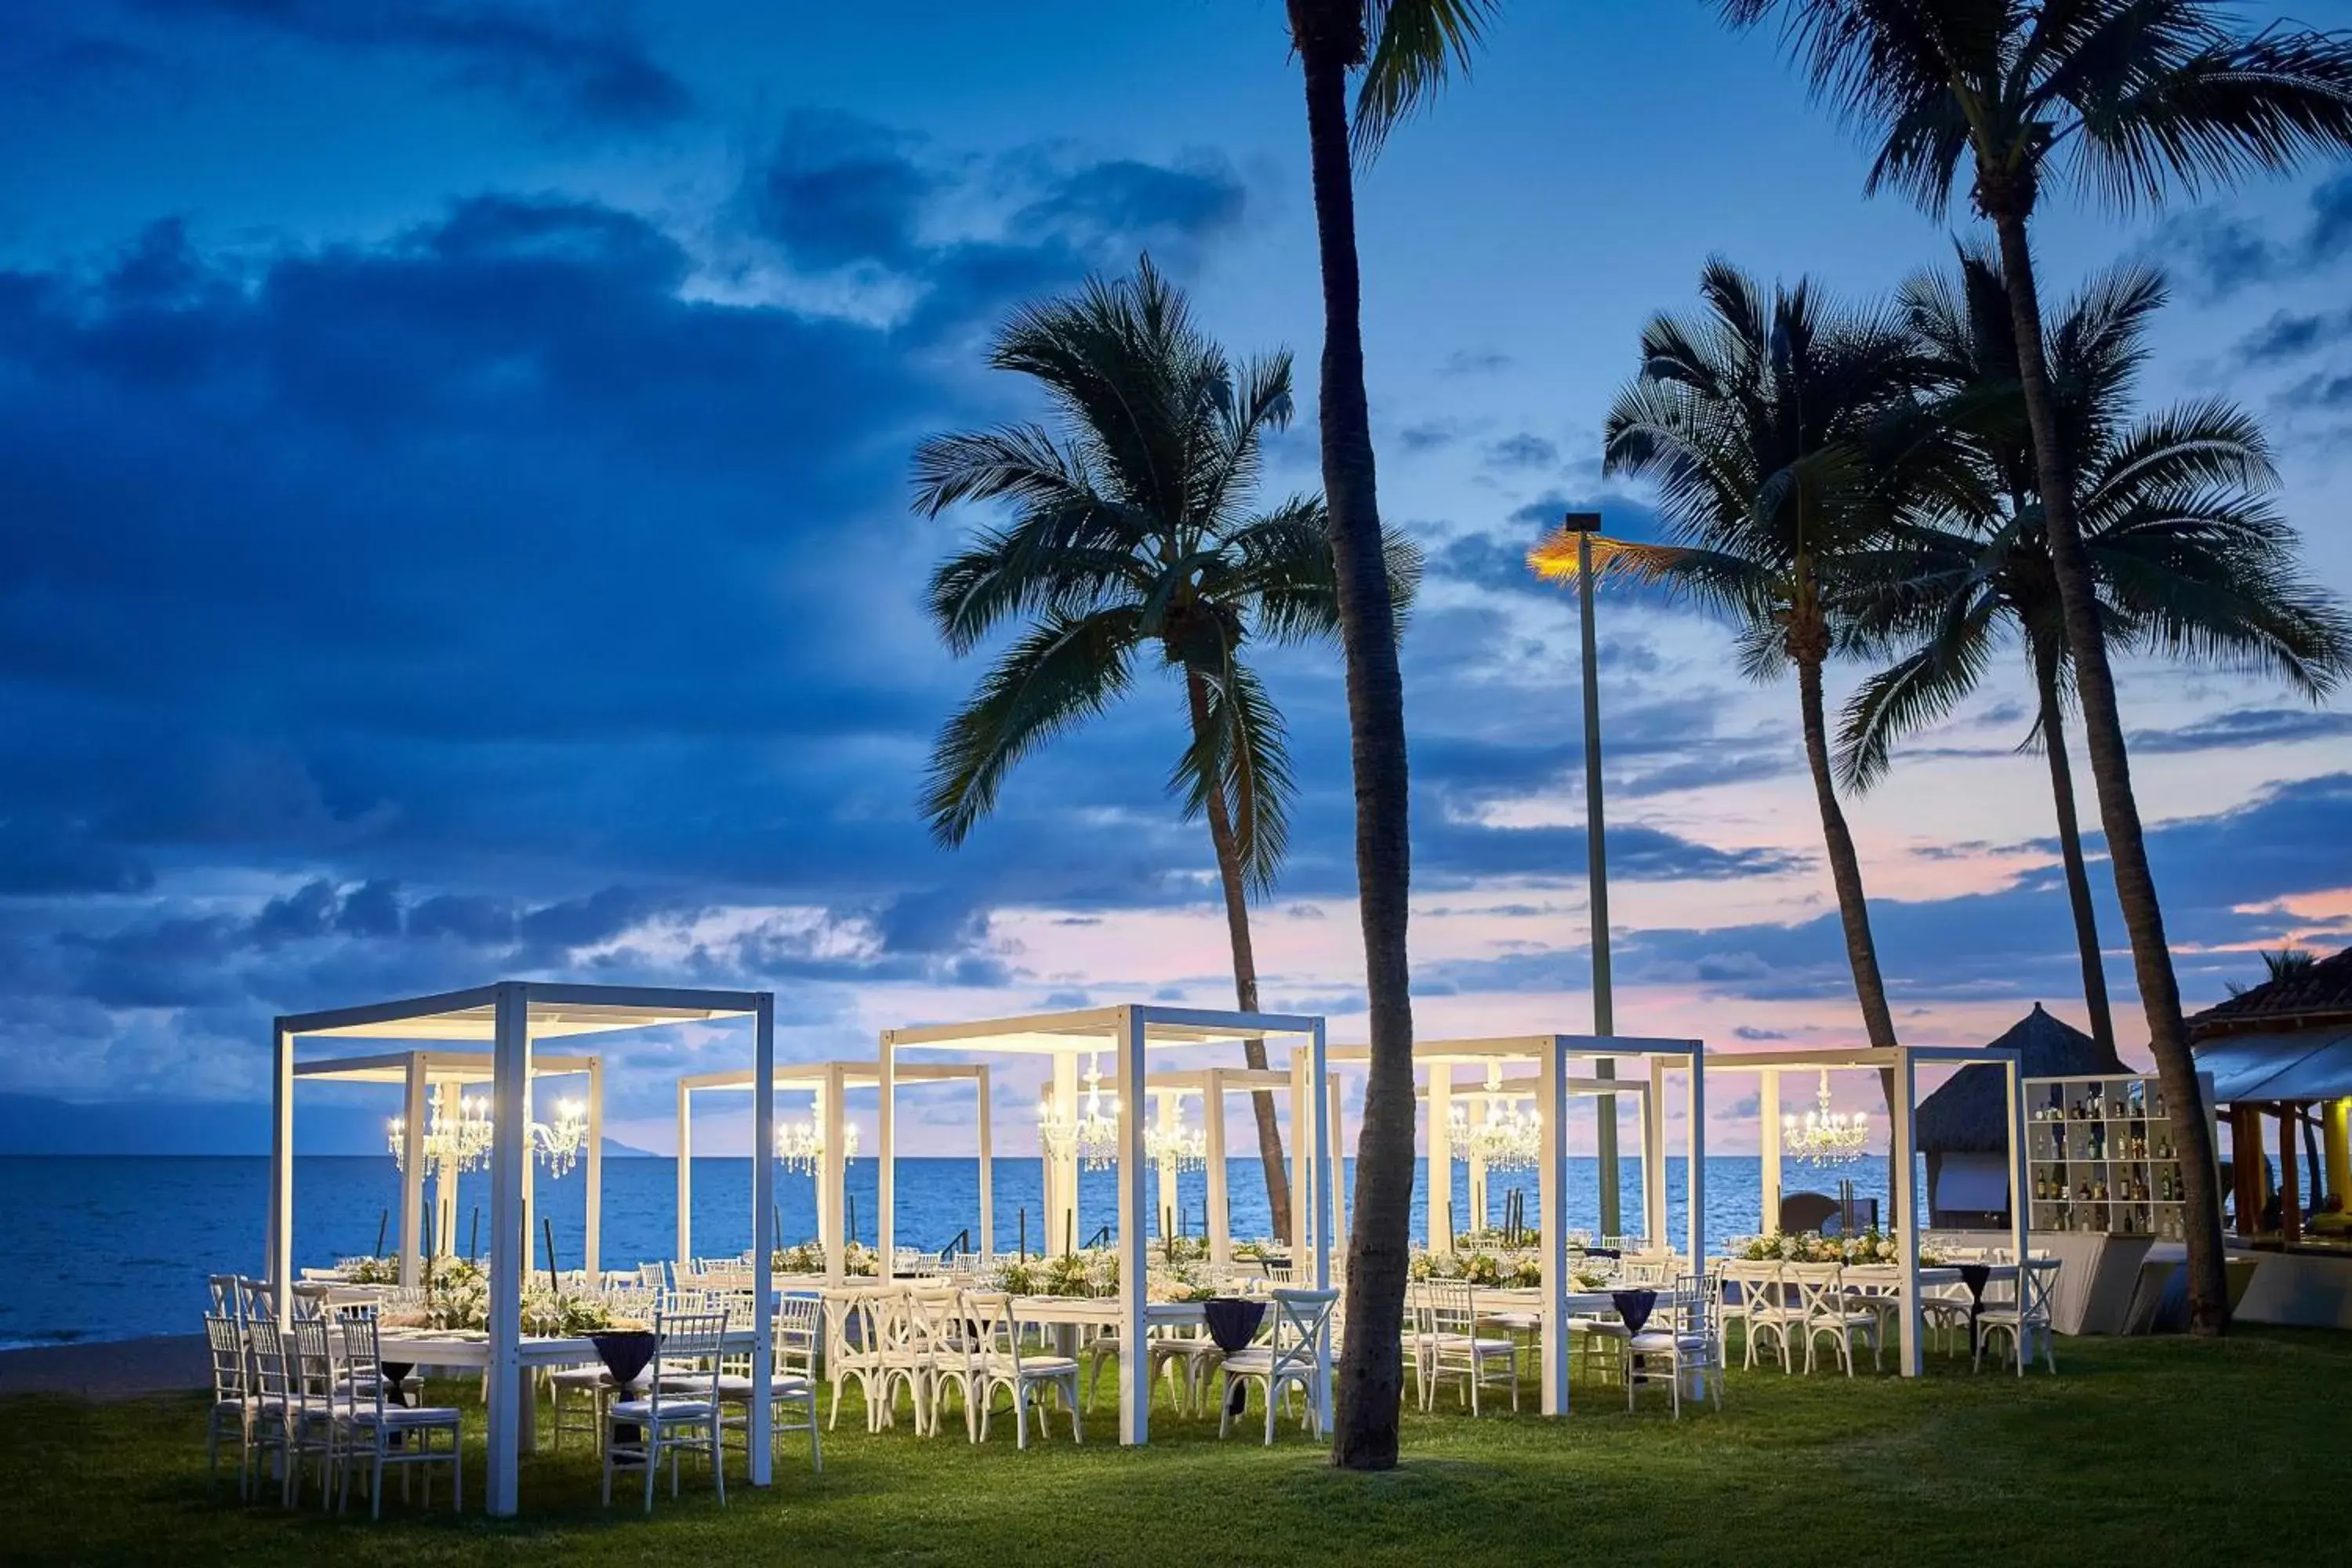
<point x="1416" y="45"/>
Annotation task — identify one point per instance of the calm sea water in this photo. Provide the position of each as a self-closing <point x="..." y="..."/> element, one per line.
<point x="108" y="1248"/>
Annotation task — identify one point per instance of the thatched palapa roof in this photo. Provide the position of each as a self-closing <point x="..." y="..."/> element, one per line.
<point x="1969" y="1114"/>
<point x="2313" y="997"/>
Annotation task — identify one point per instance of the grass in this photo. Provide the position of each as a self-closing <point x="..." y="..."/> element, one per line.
<point x="2142" y="1452"/>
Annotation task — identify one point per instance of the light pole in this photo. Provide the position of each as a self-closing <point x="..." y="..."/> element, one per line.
<point x="1547" y="561"/>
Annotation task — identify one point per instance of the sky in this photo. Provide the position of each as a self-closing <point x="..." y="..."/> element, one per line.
<point x="454" y="477"/>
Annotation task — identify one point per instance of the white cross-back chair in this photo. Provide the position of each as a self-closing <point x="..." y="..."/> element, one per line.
<point x="1023" y="1374"/>
<point x="1766" y="1310"/>
<point x="1296" y="1355"/>
<point x="679" y="1413"/>
<point x="1446" y="1344"/>
<point x="853" y="1353"/>
<point x="380" y="1433"/>
<point x="2024" y="1318"/>
<point x="1827" y="1311"/>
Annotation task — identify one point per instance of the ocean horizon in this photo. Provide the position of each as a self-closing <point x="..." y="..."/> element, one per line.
<point x="120" y="1245"/>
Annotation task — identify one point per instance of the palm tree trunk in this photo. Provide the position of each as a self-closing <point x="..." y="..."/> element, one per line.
<point x="1846" y="871"/>
<point x="1237" y="930"/>
<point x="2070" y="849"/>
<point x="2102" y="732"/>
<point x="1379" y="1250"/>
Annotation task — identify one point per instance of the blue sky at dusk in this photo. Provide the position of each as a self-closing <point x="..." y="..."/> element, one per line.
<point x="453" y="464"/>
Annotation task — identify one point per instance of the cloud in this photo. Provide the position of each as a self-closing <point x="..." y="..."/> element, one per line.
<point x="2219" y="254"/>
<point x="2289" y="335"/>
<point x="1524" y="450"/>
<point x="587" y="67"/>
<point x="2319" y="391"/>
<point x="1476" y="362"/>
<point x="2242" y="728"/>
<point x="966" y="239"/>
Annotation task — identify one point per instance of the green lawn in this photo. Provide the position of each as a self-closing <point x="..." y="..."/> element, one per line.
<point x="2142" y="1452"/>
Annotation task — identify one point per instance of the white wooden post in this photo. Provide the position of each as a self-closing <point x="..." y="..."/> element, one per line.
<point x="1134" y="1291"/>
<point x="412" y="1170"/>
<point x="1698" y="1157"/>
<point x="530" y="1185"/>
<point x="886" y="1219"/>
<point x="2019" y="1177"/>
<point x="1302" y="1162"/>
<point x="987" y="1168"/>
<point x="1062" y="1165"/>
<point x="1907" y="1206"/>
<point x="592" y="1245"/>
<point x="1338" y="1166"/>
<point x="509" y="1153"/>
<point x="1441" y="1158"/>
<point x="1767" y="1108"/>
<point x="1219" y="1220"/>
<point x="279" y="1262"/>
<point x="832" y="1177"/>
<point x="685" y="1175"/>
<point x="1318" y="1068"/>
<point x="1551" y="1178"/>
<point x="1169" y="1108"/>
<point x="1653" y="1158"/>
<point x="762" y="1414"/>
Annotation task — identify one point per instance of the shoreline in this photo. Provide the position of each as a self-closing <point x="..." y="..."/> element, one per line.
<point x="104" y="1371"/>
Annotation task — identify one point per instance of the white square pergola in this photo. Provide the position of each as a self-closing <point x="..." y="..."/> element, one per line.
<point x="1553" y="1085"/>
<point x="1903" y="1063"/>
<point x="428" y="1077"/>
<point x="510" y="1014"/>
<point x="830" y="1082"/>
<point x="1129" y="1034"/>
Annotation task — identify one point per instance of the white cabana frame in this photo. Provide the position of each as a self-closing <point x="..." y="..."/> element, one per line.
<point x="1129" y="1034"/>
<point x="831" y="1082"/>
<point x="1554" y="1085"/>
<point x="1212" y="1086"/>
<point x="435" y="1081"/>
<point x="510" y="1014"/>
<point x="1903" y="1062"/>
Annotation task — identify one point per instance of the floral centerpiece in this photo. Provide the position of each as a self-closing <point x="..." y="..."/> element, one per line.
<point x="368" y="1270"/>
<point x="1863" y="1247"/>
<point x="858" y="1260"/>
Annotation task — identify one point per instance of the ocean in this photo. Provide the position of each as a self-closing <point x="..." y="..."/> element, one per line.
<point x="115" y="1247"/>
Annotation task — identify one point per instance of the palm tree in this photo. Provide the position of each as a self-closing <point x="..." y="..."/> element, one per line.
<point x="1401" y="51"/>
<point x="1132" y="535"/>
<point x="2130" y="98"/>
<point x="1782" y="435"/>
<point x="2189" y="557"/>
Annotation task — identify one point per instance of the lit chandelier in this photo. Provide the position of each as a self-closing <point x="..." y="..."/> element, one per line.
<point x="1093" y="1137"/>
<point x="1186" y="1148"/>
<point x="1824" y="1137"/>
<point x="801" y="1144"/>
<point x="1510" y="1137"/>
<point x="459" y="1138"/>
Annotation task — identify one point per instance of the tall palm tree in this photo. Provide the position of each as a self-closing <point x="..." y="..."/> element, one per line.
<point x="1783" y="434"/>
<point x="1400" y="52"/>
<point x="1133" y="536"/>
<point x="2189" y="559"/>
<point x="2130" y="99"/>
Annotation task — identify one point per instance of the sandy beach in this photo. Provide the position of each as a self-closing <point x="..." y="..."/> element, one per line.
<point x="118" y="1369"/>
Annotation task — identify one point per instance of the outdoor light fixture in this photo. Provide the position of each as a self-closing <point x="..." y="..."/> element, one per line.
<point x="1093" y="1136"/>
<point x="1509" y="1138"/>
<point x="1186" y="1148"/>
<point x="459" y="1140"/>
<point x="801" y="1144"/>
<point x="1824" y="1137"/>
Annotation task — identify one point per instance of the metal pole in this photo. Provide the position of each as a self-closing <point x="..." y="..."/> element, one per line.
<point x="1596" y="875"/>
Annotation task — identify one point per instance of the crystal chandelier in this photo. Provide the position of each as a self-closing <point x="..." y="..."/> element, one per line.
<point x="1825" y="1137"/>
<point x="1509" y="1137"/>
<point x="801" y="1144"/>
<point x="1186" y="1148"/>
<point x="1094" y="1136"/>
<point x="559" y="1142"/>
<point x="459" y="1138"/>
